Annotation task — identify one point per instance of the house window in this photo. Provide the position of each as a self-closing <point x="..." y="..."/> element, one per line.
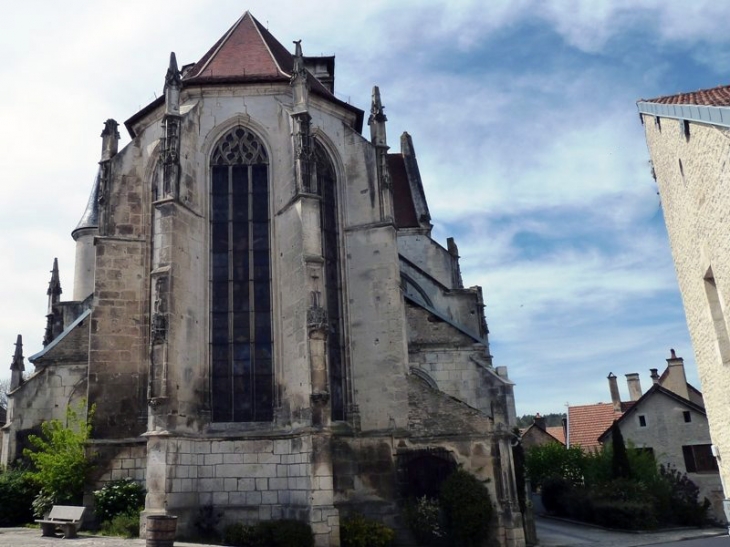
<point x="698" y="458"/>
<point x="329" y="225"/>
<point x="241" y="344"/>
<point x="687" y="416"/>
<point x="642" y="421"/>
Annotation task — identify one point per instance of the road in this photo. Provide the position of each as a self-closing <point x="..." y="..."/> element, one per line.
<point x="555" y="533"/>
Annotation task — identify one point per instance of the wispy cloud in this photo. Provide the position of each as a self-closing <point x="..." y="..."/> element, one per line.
<point x="523" y="119"/>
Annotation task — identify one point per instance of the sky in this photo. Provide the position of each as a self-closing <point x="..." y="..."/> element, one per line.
<point x="524" y="122"/>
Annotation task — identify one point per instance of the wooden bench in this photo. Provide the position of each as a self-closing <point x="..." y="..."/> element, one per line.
<point x="65" y="517"/>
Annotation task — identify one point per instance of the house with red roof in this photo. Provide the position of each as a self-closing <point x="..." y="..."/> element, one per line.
<point x="538" y="434"/>
<point x="668" y="420"/>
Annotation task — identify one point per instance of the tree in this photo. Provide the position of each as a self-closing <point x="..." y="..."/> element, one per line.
<point x="4" y="388"/>
<point x="620" y="467"/>
<point x="60" y="463"/>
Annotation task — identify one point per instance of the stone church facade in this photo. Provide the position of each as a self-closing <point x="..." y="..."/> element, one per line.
<point x="260" y="314"/>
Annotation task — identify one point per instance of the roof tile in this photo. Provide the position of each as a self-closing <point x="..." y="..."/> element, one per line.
<point x="716" y="96"/>
<point x="588" y="422"/>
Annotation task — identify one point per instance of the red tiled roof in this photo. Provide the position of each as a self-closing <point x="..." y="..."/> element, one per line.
<point x="588" y="422"/>
<point x="717" y="96"/>
<point x="248" y="51"/>
<point x="405" y="211"/>
<point x="557" y="431"/>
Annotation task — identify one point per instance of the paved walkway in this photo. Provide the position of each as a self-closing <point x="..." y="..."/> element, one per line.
<point x="31" y="537"/>
<point x="551" y="533"/>
<point x="557" y="533"/>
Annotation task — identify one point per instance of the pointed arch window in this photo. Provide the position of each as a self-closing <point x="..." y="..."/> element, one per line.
<point x="241" y="342"/>
<point x="326" y="187"/>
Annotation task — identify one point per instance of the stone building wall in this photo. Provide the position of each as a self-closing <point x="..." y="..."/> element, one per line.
<point x="693" y="174"/>
<point x="666" y="431"/>
<point x="119" y="461"/>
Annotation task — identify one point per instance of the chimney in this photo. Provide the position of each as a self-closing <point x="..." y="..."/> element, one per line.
<point x="654" y="375"/>
<point x="539" y="421"/>
<point x="676" y="380"/>
<point x="634" y="384"/>
<point x="613" y="387"/>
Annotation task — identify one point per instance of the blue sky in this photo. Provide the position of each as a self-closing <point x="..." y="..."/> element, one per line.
<point x="524" y="122"/>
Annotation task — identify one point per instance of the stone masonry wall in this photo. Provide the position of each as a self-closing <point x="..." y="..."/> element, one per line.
<point x="127" y="461"/>
<point x="693" y="175"/>
<point x="246" y="479"/>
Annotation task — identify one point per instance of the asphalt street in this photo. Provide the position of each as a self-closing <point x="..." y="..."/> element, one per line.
<point x="558" y="533"/>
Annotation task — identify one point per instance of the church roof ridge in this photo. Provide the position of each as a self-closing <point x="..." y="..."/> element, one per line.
<point x="247" y="53"/>
<point x="247" y="50"/>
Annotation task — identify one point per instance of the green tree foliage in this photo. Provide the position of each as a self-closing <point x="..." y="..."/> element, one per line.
<point x="620" y="467"/>
<point x="467" y="507"/>
<point x="554" y="459"/>
<point x="584" y="486"/>
<point x="60" y="465"/>
<point x="359" y="531"/>
<point x="16" y="497"/>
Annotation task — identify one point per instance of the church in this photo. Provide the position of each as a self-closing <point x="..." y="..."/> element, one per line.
<point x="260" y="314"/>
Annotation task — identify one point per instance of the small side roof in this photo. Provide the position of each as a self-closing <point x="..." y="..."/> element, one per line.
<point x="711" y="106"/>
<point x="716" y="96"/>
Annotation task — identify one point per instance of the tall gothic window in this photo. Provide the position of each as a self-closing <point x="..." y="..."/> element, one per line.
<point x="330" y="251"/>
<point x="241" y="345"/>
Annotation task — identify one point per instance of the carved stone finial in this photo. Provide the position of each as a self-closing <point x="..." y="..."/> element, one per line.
<point x="377" y="120"/>
<point x="377" y="110"/>
<point x="17" y="363"/>
<point x="173" y="77"/>
<point x="109" y="140"/>
<point x="298" y="56"/>
<point x="173" y="85"/>
<point x="299" y="80"/>
<point x="54" y="285"/>
<point x="17" y="366"/>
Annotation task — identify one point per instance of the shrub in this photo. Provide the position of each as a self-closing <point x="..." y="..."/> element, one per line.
<point x="207" y="522"/>
<point x="124" y="525"/>
<point x="578" y="503"/>
<point x="119" y="497"/>
<point x="276" y="533"/>
<point x="42" y="504"/>
<point x="554" y="491"/>
<point x="16" y="493"/>
<point x="287" y="533"/>
<point x="543" y="462"/>
<point x="60" y="465"/>
<point x="467" y="508"/>
<point x="239" y="535"/>
<point x="423" y="516"/>
<point x="628" y="515"/>
<point x="358" y="531"/>
<point x="683" y="503"/>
